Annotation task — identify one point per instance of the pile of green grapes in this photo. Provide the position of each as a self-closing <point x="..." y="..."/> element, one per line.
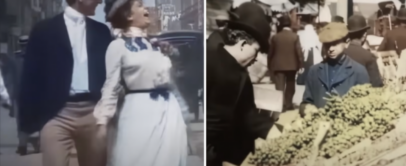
<point x="364" y="112"/>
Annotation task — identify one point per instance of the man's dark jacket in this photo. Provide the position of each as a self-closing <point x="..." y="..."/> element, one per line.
<point x="48" y="67"/>
<point x="367" y="59"/>
<point x="318" y="81"/>
<point x="233" y="122"/>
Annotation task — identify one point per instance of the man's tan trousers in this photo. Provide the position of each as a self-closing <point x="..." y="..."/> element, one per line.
<point x="73" y="126"/>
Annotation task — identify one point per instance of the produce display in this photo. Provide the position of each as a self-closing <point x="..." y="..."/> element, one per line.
<point x="364" y="112"/>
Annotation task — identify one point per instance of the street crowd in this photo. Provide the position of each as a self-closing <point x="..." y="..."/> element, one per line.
<point x="328" y="59"/>
<point x="111" y="96"/>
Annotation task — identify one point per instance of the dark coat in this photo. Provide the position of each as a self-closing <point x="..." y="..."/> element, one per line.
<point x="317" y="83"/>
<point x="367" y="59"/>
<point x="394" y="40"/>
<point x="285" y="53"/>
<point x="233" y="122"/>
<point x="48" y="67"/>
<point x="215" y="38"/>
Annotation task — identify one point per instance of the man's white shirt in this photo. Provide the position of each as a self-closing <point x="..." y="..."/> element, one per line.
<point x="76" y="26"/>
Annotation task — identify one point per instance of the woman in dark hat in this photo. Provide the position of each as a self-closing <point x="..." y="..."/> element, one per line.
<point x="357" y="34"/>
<point x="150" y="129"/>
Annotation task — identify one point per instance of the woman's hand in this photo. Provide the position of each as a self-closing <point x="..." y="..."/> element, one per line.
<point x="166" y="48"/>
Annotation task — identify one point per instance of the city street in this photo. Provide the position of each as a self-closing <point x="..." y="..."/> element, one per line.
<point x="9" y="142"/>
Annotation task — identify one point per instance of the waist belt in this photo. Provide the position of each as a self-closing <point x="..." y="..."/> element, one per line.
<point x="154" y="93"/>
<point x="81" y="97"/>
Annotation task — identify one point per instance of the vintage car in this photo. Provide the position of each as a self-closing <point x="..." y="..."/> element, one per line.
<point x="189" y="66"/>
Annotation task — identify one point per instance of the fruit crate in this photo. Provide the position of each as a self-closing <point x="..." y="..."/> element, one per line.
<point x="385" y="151"/>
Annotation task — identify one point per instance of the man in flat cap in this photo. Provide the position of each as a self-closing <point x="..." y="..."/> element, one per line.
<point x="358" y="27"/>
<point x="285" y="59"/>
<point x="233" y="122"/>
<point x="62" y="77"/>
<point x="337" y="73"/>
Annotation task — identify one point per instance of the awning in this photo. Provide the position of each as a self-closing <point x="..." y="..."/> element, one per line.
<point x="285" y="6"/>
<point x="310" y="8"/>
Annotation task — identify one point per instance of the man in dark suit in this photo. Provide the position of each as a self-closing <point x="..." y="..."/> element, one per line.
<point x="358" y="27"/>
<point x="233" y="122"/>
<point x="285" y="59"/>
<point x="63" y="73"/>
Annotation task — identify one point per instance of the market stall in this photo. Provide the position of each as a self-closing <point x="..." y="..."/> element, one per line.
<point x="365" y="127"/>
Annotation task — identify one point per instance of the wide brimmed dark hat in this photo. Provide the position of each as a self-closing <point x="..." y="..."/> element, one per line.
<point x="357" y="23"/>
<point x="252" y="19"/>
<point x="401" y="14"/>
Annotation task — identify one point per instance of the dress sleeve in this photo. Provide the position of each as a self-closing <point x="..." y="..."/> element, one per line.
<point x="112" y="88"/>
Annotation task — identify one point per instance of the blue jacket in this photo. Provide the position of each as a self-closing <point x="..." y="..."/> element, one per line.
<point x="48" y="66"/>
<point x="318" y="84"/>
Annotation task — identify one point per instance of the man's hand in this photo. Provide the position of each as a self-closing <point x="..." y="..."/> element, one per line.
<point x="101" y="133"/>
<point x="166" y="48"/>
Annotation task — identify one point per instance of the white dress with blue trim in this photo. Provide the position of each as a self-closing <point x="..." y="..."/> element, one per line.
<point x="150" y="129"/>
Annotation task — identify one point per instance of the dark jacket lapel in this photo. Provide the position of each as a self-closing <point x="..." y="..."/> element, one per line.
<point x="346" y="71"/>
<point x="322" y="74"/>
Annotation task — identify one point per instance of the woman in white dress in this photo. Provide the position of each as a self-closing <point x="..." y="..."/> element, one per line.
<point x="150" y="129"/>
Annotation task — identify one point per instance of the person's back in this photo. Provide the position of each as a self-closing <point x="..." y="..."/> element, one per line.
<point x="395" y="40"/>
<point x="284" y="53"/>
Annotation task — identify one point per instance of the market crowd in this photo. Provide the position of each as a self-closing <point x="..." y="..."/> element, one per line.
<point x="326" y="59"/>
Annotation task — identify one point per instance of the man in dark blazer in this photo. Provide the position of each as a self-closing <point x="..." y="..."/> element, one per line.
<point x="233" y="122"/>
<point x="285" y="59"/>
<point x="63" y="73"/>
<point x="357" y="33"/>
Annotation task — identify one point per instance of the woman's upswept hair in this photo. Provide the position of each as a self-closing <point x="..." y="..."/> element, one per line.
<point x="119" y="19"/>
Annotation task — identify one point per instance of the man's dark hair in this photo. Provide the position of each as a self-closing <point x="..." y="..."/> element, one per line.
<point x="120" y="18"/>
<point x="285" y="21"/>
<point x="233" y="36"/>
<point x="70" y="2"/>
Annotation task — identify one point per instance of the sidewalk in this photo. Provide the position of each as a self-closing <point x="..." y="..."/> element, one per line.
<point x="9" y="142"/>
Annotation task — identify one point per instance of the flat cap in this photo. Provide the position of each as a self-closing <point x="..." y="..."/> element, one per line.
<point x="332" y="32"/>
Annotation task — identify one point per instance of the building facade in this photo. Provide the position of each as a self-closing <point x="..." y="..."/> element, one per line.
<point x="17" y="17"/>
<point x="192" y="14"/>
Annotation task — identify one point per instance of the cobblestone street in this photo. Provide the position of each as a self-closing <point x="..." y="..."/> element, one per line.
<point x="9" y="142"/>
